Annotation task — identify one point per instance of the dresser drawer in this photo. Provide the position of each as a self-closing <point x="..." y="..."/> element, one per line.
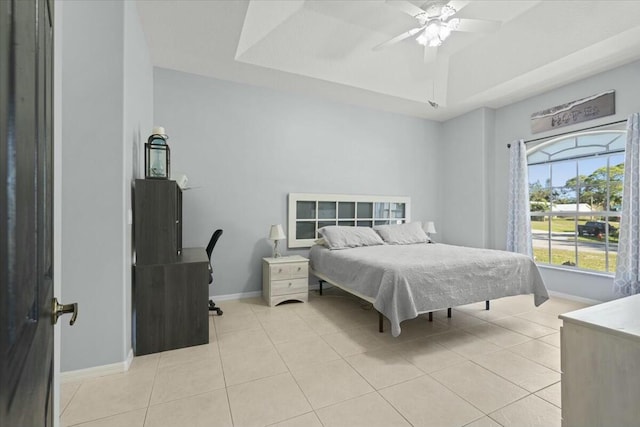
<point x="292" y="286"/>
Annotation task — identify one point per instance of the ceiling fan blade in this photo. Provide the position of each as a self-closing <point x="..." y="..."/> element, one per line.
<point x="406" y="7"/>
<point x="458" y="4"/>
<point x="430" y="54"/>
<point x="477" y="25"/>
<point x="399" y="38"/>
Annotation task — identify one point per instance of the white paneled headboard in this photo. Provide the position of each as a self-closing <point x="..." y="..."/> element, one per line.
<point x="308" y="212"/>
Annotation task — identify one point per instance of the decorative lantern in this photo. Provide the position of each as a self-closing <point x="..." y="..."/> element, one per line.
<point x="157" y="161"/>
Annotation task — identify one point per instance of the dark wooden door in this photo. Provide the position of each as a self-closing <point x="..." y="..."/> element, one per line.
<point x="26" y="211"/>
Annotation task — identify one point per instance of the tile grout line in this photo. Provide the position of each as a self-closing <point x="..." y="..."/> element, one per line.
<point x="500" y="376"/>
<point x="546" y="400"/>
<point x="269" y="376"/>
<point x="224" y="377"/>
<point x="461" y="397"/>
<point x="291" y="374"/>
<point x="393" y="406"/>
<point x="530" y="359"/>
<point x="507" y="379"/>
<point x="515" y="401"/>
<point x="153" y="384"/>
<point x="72" y="396"/>
<point x="123" y="374"/>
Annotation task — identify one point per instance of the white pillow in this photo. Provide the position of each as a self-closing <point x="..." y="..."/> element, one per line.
<point x="321" y="241"/>
<point x="342" y="237"/>
<point x="402" y="234"/>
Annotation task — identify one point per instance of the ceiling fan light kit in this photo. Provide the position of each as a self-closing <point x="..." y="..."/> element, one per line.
<point x="436" y="32"/>
<point x="435" y="23"/>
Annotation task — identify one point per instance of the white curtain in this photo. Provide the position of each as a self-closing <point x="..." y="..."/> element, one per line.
<point x="519" y="215"/>
<point x="627" y="277"/>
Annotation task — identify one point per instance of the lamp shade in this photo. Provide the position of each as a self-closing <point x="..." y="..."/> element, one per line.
<point x="276" y="232"/>
<point x="430" y="228"/>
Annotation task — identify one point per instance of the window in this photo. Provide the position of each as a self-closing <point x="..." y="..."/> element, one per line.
<point x="310" y="212"/>
<point x="575" y="192"/>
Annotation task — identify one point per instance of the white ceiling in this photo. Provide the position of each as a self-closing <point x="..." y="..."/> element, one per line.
<point x="324" y="48"/>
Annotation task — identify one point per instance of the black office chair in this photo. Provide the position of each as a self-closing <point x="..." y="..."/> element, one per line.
<point x="212" y="243"/>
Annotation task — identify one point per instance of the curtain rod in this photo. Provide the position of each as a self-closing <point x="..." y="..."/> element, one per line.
<point x="573" y="131"/>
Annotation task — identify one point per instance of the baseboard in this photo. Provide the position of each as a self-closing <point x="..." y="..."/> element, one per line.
<point x="97" y="371"/>
<point x="241" y="295"/>
<point x="574" y="298"/>
<point x="127" y="363"/>
<point x="253" y="294"/>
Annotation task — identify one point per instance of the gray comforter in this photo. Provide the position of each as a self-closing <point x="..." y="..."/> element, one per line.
<point x="406" y="280"/>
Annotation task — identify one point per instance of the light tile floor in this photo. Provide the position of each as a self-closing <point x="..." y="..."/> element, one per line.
<point x="323" y="363"/>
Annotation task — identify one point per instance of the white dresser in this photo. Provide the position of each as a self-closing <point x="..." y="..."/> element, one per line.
<point x="600" y="360"/>
<point x="285" y="278"/>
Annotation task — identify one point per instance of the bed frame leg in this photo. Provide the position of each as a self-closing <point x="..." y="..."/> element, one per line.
<point x="449" y="312"/>
<point x="380" y="323"/>
<point x="431" y="316"/>
<point x="320" y="282"/>
<point x="486" y="305"/>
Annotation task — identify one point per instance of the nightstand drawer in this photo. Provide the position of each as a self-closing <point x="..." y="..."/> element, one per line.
<point x="280" y="272"/>
<point x="299" y="270"/>
<point x="290" y="271"/>
<point x="293" y="286"/>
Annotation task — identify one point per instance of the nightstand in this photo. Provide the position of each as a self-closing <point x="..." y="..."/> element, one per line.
<point x="285" y="278"/>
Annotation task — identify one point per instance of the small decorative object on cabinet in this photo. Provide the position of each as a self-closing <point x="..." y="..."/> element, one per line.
<point x="600" y="361"/>
<point x="285" y="278"/>
<point x="276" y="233"/>
<point x="157" y="159"/>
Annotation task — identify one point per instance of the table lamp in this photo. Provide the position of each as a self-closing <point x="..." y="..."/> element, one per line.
<point x="276" y="233"/>
<point x="430" y="229"/>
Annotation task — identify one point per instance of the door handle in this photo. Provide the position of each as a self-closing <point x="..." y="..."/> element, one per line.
<point x="60" y="309"/>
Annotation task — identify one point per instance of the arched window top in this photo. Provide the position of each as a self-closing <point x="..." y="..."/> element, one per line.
<point x="578" y="145"/>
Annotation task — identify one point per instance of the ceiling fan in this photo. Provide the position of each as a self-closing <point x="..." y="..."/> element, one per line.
<point x="435" y="24"/>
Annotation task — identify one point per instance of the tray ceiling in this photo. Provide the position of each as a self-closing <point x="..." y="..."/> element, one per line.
<point x="324" y="48"/>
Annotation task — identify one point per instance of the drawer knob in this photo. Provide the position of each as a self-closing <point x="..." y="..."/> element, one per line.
<point x="290" y="283"/>
<point x="299" y="268"/>
<point x="279" y="270"/>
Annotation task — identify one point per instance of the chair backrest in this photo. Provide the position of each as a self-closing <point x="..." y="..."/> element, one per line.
<point x="212" y="243"/>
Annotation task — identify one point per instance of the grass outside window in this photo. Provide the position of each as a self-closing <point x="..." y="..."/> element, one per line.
<point x="586" y="260"/>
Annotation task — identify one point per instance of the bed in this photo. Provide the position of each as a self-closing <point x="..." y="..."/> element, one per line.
<point x="405" y="280"/>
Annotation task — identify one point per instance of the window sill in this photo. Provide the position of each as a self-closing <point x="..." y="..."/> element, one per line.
<point x="575" y="270"/>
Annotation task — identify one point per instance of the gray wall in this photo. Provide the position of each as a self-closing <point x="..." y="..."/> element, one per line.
<point x="245" y="148"/>
<point x="103" y="54"/>
<point x="506" y="125"/>
<point x="138" y="122"/>
<point x="465" y="178"/>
